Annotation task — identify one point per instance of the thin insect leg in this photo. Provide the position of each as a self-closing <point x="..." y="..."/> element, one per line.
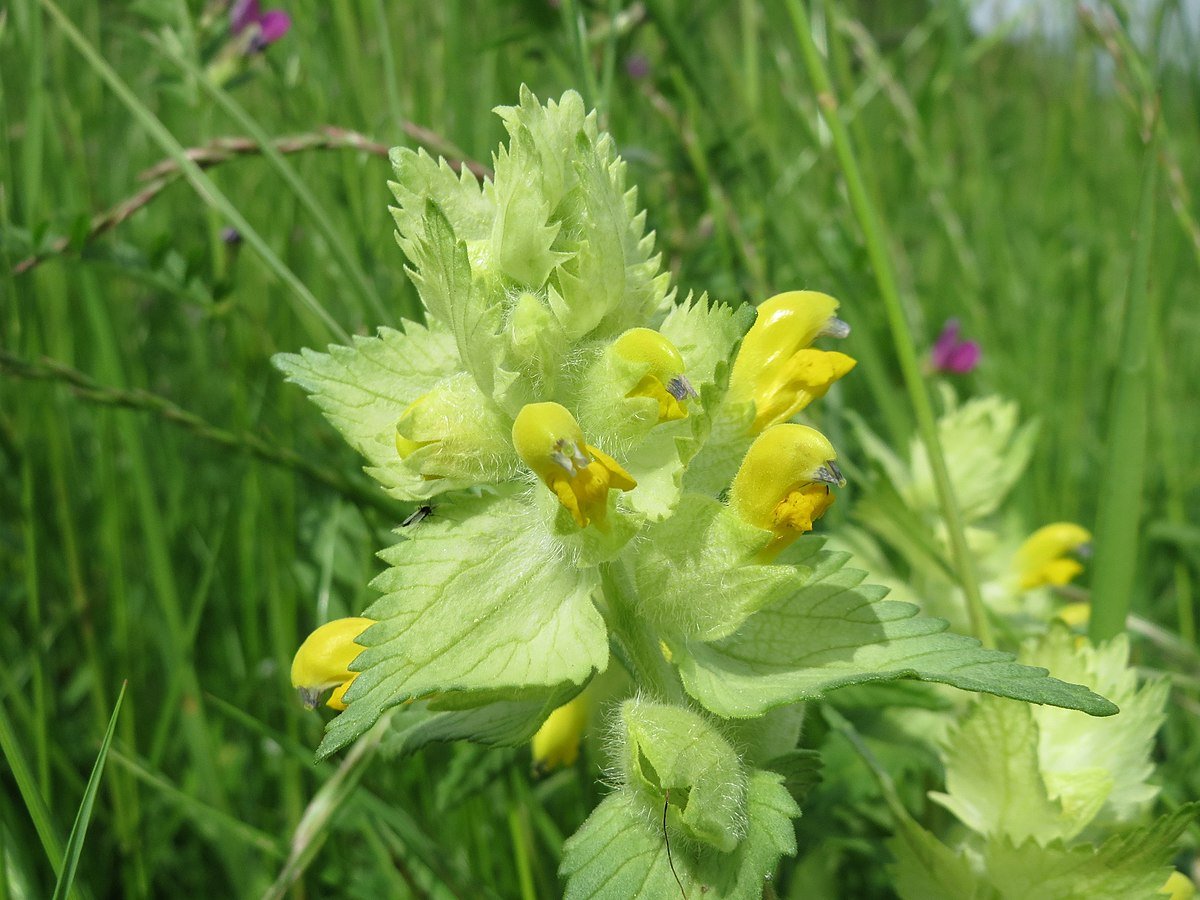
<point x="667" y="841"/>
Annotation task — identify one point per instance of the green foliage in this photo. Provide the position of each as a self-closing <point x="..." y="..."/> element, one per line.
<point x="475" y="599"/>
<point x="174" y="515"/>
<point x="833" y="632"/>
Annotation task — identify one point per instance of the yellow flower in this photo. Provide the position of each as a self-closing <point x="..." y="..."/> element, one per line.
<point x="323" y="661"/>
<point x="783" y="483"/>
<point x="775" y="366"/>
<point x="551" y="443"/>
<point x="1178" y="887"/>
<point x="556" y="743"/>
<point x="665" y="381"/>
<point x="1076" y="614"/>
<point x="1042" y="559"/>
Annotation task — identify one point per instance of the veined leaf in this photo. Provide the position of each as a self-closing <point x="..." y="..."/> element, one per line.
<point x="476" y="599"/>
<point x="362" y="389"/>
<point x="835" y="632"/>
<point x="620" y="852"/>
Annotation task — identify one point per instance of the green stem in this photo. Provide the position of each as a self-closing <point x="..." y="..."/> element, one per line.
<point x="639" y="648"/>
<point x="877" y="242"/>
<point x="1119" y="510"/>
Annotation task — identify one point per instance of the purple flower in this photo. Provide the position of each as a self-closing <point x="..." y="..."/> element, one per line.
<point x="951" y="355"/>
<point x="637" y="66"/>
<point x="271" y="25"/>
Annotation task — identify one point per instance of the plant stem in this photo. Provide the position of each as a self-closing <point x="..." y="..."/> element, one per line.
<point x="877" y="242"/>
<point x="642" y="652"/>
<point x="1119" y="510"/>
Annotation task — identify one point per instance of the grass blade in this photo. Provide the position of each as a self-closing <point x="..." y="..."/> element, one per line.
<point x="1118" y="516"/>
<point x="202" y="183"/>
<point x="66" y="875"/>
<point x="876" y="237"/>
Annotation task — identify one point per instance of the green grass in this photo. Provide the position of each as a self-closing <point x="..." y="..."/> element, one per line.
<point x="174" y="515"/>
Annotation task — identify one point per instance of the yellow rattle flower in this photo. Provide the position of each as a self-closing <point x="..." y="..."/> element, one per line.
<point x="556" y="743"/>
<point x="783" y="483"/>
<point x="323" y="661"/>
<point x="551" y="443"/>
<point x="775" y="366"/>
<point x="1042" y="559"/>
<point x="665" y="382"/>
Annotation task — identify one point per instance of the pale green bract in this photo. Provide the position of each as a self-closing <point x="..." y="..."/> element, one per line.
<point x="1038" y="790"/>
<point x="499" y="606"/>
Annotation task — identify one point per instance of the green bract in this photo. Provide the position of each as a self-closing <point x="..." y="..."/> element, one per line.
<point x="1036" y="789"/>
<point x="605" y="525"/>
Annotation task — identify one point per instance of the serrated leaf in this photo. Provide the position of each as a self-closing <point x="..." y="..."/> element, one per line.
<point x="605" y="270"/>
<point x="498" y="723"/>
<point x="1119" y="747"/>
<point x="1135" y="865"/>
<point x="620" y="852"/>
<point x="477" y="599"/>
<point x="993" y="783"/>
<point x="835" y="631"/>
<point x="923" y="868"/>
<point x="459" y="194"/>
<point x="441" y="271"/>
<point x="706" y="333"/>
<point x="362" y="389"/>
<point x="522" y="233"/>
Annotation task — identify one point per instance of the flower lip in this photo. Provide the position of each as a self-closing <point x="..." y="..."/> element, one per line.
<point x="310" y="697"/>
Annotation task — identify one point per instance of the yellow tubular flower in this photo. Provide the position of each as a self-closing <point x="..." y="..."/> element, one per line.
<point x="549" y="440"/>
<point x="775" y="366"/>
<point x="1042" y="559"/>
<point x="323" y="661"/>
<point x="556" y="743"/>
<point x="665" y="382"/>
<point x="783" y="483"/>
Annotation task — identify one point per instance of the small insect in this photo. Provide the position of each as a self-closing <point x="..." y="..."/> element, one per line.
<point x="417" y="515"/>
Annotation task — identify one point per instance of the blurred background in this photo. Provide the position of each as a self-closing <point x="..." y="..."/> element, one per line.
<point x="173" y="515"/>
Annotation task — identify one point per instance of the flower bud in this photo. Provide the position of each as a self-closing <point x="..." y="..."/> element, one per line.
<point x="556" y="743"/>
<point x="323" y="661"/>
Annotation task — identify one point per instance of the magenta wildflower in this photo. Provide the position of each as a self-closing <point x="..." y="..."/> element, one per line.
<point x="637" y="66"/>
<point x="271" y="25"/>
<point x="951" y="355"/>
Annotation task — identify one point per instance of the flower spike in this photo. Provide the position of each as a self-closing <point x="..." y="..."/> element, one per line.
<point x="323" y="661"/>
<point x="665" y="381"/>
<point x="776" y="368"/>
<point x="783" y="483"/>
<point x="1042" y="559"/>
<point x="550" y="441"/>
